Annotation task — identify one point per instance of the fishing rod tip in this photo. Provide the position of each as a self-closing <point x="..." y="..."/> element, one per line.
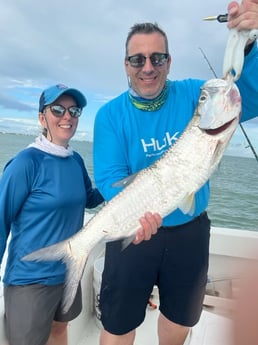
<point x="210" y="18"/>
<point x="221" y="18"/>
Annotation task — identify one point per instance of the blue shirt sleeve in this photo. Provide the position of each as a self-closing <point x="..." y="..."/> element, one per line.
<point x="248" y="85"/>
<point x="109" y="153"/>
<point x="15" y="185"/>
<point x="94" y="198"/>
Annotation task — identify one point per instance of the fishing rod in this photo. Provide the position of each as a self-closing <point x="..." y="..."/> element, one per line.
<point x="241" y="126"/>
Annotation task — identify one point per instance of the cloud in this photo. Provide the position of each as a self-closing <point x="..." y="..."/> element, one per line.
<point x="10" y="103"/>
<point x="81" y="43"/>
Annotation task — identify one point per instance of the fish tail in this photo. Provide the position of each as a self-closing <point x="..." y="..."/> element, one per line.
<point x="75" y="265"/>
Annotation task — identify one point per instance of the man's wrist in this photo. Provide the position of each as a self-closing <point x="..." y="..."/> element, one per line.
<point x="249" y="47"/>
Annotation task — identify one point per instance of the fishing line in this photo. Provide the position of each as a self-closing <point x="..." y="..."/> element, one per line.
<point x="240" y="124"/>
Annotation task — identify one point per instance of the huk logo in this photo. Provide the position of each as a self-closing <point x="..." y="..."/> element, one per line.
<point x="156" y="147"/>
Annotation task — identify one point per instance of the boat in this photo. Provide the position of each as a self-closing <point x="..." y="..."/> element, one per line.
<point x="230" y="251"/>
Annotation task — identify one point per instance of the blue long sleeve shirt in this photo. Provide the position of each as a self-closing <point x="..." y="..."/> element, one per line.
<point x="127" y="139"/>
<point x="42" y="202"/>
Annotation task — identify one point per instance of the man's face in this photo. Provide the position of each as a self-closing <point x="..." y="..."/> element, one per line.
<point x="147" y="81"/>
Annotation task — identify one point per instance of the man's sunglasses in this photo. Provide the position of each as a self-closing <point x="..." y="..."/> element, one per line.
<point x="157" y="59"/>
<point x="59" y="111"/>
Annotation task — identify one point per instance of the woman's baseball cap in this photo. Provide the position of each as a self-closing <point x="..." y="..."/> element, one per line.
<point x="50" y="94"/>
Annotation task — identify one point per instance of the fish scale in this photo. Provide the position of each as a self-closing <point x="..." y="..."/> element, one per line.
<point x="168" y="184"/>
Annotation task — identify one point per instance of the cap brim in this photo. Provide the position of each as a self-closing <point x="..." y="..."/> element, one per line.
<point x="77" y="95"/>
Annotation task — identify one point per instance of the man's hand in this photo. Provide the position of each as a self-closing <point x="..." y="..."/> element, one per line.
<point x="243" y="16"/>
<point x="150" y="223"/>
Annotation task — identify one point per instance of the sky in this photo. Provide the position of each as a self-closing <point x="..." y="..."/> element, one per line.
<point x="80" y="43"/>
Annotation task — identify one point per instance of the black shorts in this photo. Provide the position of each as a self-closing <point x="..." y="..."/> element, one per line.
<point x="175" y="259"/>
<point x="31" y="309"/>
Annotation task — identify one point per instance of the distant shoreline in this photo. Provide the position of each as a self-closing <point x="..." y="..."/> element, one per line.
<point x="36" y="134"/>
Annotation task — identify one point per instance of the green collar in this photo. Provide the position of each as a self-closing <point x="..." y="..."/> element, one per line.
<point x="150" y="104"/>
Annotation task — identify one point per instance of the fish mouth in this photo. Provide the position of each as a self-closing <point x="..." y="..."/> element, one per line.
<point x="215" y="131"/>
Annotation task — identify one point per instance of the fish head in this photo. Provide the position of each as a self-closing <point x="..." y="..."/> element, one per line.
<point x="219" y="104"/>
<point x="219" y="110"/>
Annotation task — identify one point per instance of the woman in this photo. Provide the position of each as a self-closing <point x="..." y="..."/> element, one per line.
<point x="43" y="194"/>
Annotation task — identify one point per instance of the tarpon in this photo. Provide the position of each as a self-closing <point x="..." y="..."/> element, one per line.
<point x="170" y="183"/>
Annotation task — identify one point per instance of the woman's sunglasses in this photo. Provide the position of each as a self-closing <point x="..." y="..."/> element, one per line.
<point x="59" y="111"/>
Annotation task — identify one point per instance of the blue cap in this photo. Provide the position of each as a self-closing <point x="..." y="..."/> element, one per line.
<point x="49" y="95"/>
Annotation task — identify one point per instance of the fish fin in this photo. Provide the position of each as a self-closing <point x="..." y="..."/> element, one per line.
<point x="75" y="265"/>
<point x="75" y="269"/>
<point x="126" y="241"/>
<point x="125" y="181"/>
<point x="187" y="206"/>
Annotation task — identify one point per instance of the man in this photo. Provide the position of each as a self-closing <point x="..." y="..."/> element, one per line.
<point x="131" y="132"/>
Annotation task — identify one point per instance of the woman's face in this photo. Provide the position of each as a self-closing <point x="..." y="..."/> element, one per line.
<point x="59" y="129"/>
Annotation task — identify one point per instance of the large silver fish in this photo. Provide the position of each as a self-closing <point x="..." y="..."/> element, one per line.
<point x="169" y="183"/>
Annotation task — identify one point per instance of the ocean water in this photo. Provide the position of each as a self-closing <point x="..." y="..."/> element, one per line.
<point x="234" y="185"/>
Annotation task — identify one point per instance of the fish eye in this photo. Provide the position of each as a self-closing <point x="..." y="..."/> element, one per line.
<point x="203" y="96"/>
